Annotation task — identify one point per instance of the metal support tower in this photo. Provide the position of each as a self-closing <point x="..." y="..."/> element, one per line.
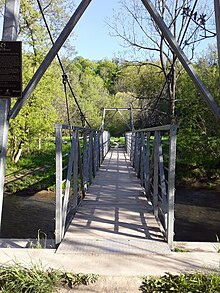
<point x="9" y="34"/>
<point x="217" y="23"/>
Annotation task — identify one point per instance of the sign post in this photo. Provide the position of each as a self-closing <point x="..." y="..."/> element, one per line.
<point x="9" y="34"/>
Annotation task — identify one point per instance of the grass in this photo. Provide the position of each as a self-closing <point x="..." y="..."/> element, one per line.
<point x="184" y="283"/>
<point x="19" y="279"/>
<point x="34" y="171"/>
<point x="198" y="161"/>
<point x="178" y="249"/>
<point x="117" y="141"/>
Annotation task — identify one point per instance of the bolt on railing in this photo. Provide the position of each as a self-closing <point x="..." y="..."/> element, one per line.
<point x="78" y="158"/>
<point x="153" y="155"/>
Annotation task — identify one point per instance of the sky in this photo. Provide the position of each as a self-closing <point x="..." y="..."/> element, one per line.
<point x="92" y="33"/>
<point x="92" y="39"/>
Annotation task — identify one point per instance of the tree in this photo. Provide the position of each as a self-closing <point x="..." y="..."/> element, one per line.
<point x="198" y="136"/>
<point x="37" y="117"/>
<point x="189" y="24"/>
<point x="143" y="83"/>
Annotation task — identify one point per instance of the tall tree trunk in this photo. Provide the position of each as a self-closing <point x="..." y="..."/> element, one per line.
<point x="173" y="95"/>
<point x="17" y="153"/>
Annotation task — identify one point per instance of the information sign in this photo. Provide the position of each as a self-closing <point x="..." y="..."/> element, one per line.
<point x="10" y="69"/>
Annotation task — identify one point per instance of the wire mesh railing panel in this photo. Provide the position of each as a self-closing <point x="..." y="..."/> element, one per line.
<point x="79" y="154"/>
<point x="153" y="155"/>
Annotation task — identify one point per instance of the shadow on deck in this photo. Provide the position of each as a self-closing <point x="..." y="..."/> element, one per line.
<point x="115" y="216"/>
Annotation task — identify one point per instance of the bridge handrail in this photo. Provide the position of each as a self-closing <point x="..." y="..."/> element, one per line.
<point x="75" y="169"/>
<point x="152" y="152"/>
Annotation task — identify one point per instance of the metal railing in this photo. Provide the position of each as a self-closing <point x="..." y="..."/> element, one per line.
<point x="153" y="155"/>
<point x="77" y="160"/>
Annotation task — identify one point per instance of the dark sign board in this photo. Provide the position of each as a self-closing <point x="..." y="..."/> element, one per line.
<point x="10" y="69"/>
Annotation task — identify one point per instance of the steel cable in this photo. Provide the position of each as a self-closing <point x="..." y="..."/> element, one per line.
<point x="65" y="77"/>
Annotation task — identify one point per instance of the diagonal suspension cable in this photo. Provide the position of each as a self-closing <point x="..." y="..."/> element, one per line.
<point x="65" y="77"/>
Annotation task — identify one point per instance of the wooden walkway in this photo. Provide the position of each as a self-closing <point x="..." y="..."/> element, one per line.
<point x="115" y="216"/>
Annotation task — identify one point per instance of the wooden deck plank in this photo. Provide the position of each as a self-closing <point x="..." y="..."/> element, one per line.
<point x="114" y="210"/>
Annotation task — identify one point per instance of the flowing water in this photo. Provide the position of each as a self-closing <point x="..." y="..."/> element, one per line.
<point x="25" y="213"/>
<point x="197" y="213"/>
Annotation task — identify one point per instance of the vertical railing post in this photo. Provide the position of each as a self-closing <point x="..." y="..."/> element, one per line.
<point x="171" y="185"/>
<point x="85" y="160"/>
<point x="75" y="169"/>
<point x="136" y="151"/>
<point x="162" y="181"/>
<point x="81" y="171"/>
<point x="155" y="183"/>
<point x="142" y="158"/>
<point x="90" y="151"/>
<point x="132" y="148"/>
<point x="100" y="148"/>
<point x="94" y="153"/>
<point x="58" y="216"/>
<point x="147" y="171"/>
<point x="144" y="161"/>
<point x="68" y="185"/>
<point x="138" y="155"/>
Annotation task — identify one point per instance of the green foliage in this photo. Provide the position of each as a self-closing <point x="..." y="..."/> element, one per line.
<point x="32" y="29"/>
<point x="19" y="279"/>
<point x="183" y="283"/>
<point x="106" y="83"/>
<point x="41" y="241"/>
<point x="198" y="150"/>
<point x="117" y="141"/>
<point x="34" y="280"/>
<point x="35" y="169"/>
<point x="78" y="279"/>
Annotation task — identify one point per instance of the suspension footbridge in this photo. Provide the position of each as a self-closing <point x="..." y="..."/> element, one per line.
<point x="102" y="205"/>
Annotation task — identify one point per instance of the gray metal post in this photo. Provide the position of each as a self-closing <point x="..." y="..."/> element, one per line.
<point x="156" y="157"/>
<point x="182" y="57"/>
<point x="171" y="185"/>
<point x="142" y="158"/>
<point x="217" y="23"/>
<point x="103" y="120"/>
<point x="85" y="160"/>
<point x="147" y="182"/>
<point x="49" y="58"/>
<point x="9" y="34"/>
<point x="75" y="168"/>
<point x="58" y="219"/>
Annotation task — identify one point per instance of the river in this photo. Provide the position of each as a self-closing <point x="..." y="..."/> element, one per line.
<point x="197" y="214"/>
